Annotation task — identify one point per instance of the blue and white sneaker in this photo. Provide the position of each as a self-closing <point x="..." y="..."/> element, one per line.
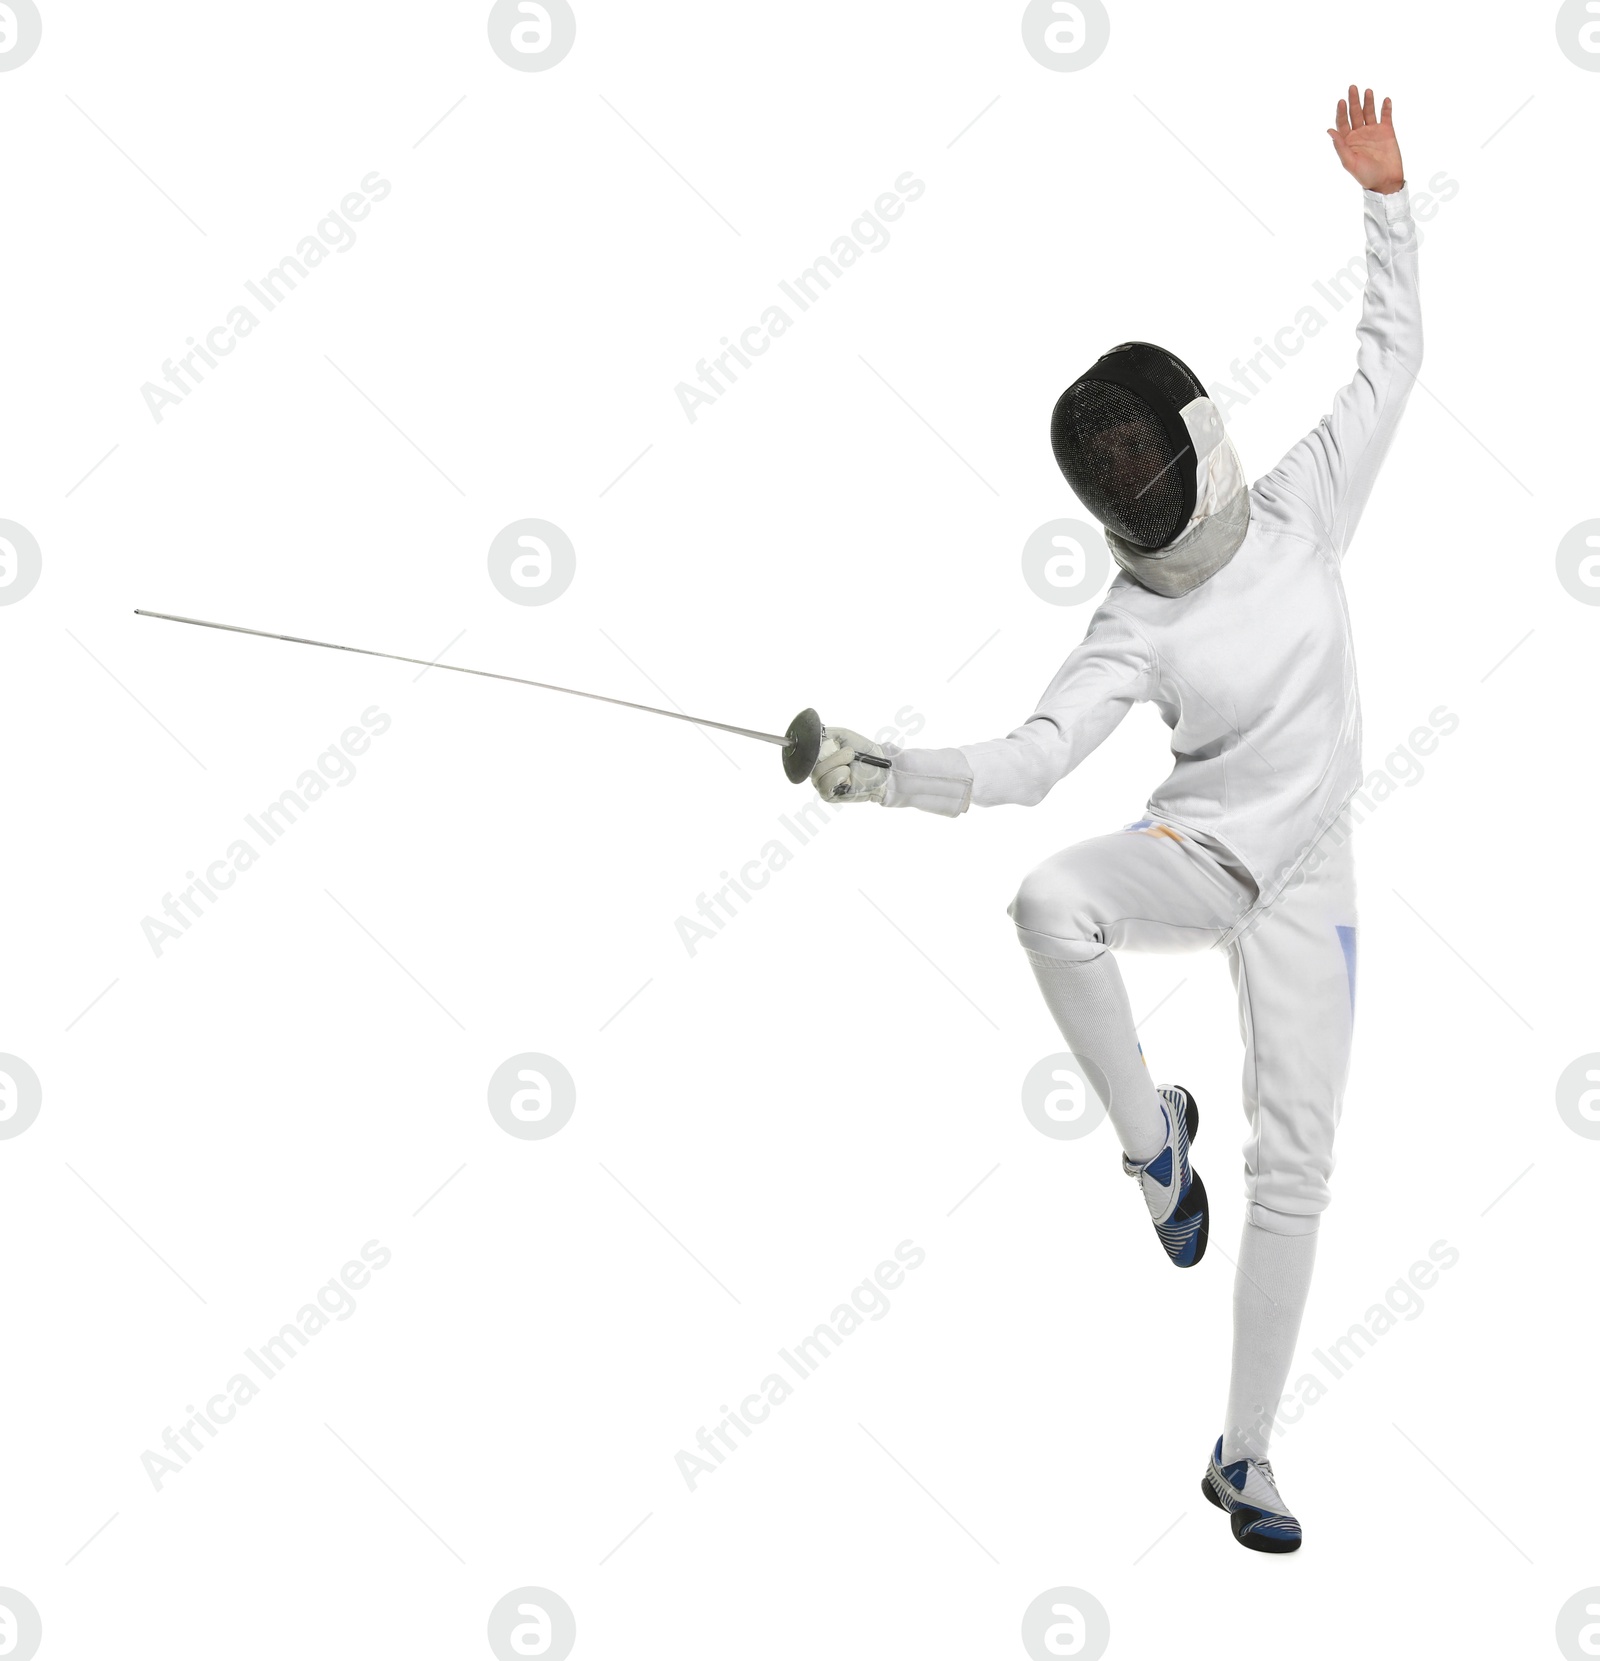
<point x="1247" y="1491"/>
<point x="1170" y="1184"/>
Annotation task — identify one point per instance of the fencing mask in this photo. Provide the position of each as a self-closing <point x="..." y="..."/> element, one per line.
<point x="1143" y="448"/>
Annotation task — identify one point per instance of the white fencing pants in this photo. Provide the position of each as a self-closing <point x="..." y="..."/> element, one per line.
<point x="1150" y="888"/>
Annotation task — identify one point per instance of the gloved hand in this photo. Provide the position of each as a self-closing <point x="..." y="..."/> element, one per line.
<point x="844" y="774"/>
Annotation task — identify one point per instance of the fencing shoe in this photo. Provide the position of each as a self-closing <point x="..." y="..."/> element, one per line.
<point x="1171" y="1186"/>
<point x="1247" y="1491"/>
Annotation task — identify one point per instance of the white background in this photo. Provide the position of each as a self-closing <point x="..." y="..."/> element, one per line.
<point x="810" y="1088"/>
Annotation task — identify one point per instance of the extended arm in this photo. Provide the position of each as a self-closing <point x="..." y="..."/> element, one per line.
<point x="1097" y="685"/>
<point x="1331" y="471"/>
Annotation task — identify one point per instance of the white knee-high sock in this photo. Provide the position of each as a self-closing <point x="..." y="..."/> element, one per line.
<point x="1269" y="1297"/>
<point x="1090" y="1005"/>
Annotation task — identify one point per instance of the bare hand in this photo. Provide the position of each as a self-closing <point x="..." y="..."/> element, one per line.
<point x="1366" y="144"/>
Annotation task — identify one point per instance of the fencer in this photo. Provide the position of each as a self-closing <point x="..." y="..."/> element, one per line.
<point x="1229" y="615"/>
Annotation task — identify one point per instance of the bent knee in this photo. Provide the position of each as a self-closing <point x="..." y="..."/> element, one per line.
<point x="1049" y="908"/>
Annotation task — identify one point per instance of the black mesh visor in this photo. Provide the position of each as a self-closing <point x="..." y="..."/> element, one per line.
<point x="1119" y="437"/>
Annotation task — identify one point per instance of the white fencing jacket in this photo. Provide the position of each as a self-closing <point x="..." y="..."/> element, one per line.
<point x="1254" y="670"/>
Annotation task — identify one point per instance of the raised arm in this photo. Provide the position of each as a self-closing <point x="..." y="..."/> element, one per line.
<point x="1331" y="471"/>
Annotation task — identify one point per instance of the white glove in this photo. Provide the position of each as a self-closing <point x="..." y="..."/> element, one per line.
<point x="843" y="775"/>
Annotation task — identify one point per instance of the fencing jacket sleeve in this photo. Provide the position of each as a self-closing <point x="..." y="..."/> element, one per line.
<point x="1097" y="685"/>
<point x="1330" y="472"/>
<point x="1254" y="669"/>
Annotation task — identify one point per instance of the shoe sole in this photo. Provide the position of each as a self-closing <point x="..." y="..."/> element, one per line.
<point x="1191" y="1116"/>
<point x="1195" y="1199"/>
